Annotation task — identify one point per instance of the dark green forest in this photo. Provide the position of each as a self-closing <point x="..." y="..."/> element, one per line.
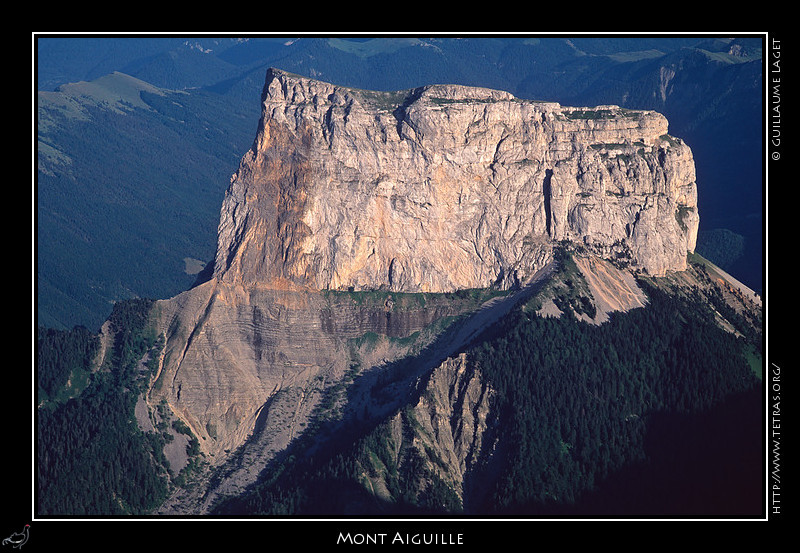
<point x="141" y="192"/>
<point x="91" y="457"/>
<point x="583" y="403"/>
<point x="655" y="412"/>
<point x="61" y="357"/>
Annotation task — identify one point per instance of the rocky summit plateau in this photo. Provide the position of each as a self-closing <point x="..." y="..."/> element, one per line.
<point x="361" y="222"/>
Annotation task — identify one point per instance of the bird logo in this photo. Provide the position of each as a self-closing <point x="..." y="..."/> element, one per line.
<point x="18" y="539"/>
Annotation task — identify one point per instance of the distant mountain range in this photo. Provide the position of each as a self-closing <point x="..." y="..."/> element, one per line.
<point x="138" y="136"/>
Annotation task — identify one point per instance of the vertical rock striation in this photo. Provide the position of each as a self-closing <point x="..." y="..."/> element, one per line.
<point x="447" y="187"/>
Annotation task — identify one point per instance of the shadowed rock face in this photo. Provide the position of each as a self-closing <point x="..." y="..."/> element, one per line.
<point x="435" y="189"/>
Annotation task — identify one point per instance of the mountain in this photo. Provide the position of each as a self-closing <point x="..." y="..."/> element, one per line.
<point x="208" y="87"/>
<point x="127" y="177"/>
<point x="172" y="62"/>
<point x="446" y="300"/>
<point x="344" y="194"/>
<point x="444" y="188"/>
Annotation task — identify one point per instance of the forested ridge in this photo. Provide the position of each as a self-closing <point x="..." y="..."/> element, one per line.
<point x="656" y="412"/>
<point x="91" y="457"/>
<point x="581" y="402"/>
<point x="103" y="208"/>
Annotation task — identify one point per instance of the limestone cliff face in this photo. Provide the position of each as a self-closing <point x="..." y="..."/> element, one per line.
<point x="447" y="187"/>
